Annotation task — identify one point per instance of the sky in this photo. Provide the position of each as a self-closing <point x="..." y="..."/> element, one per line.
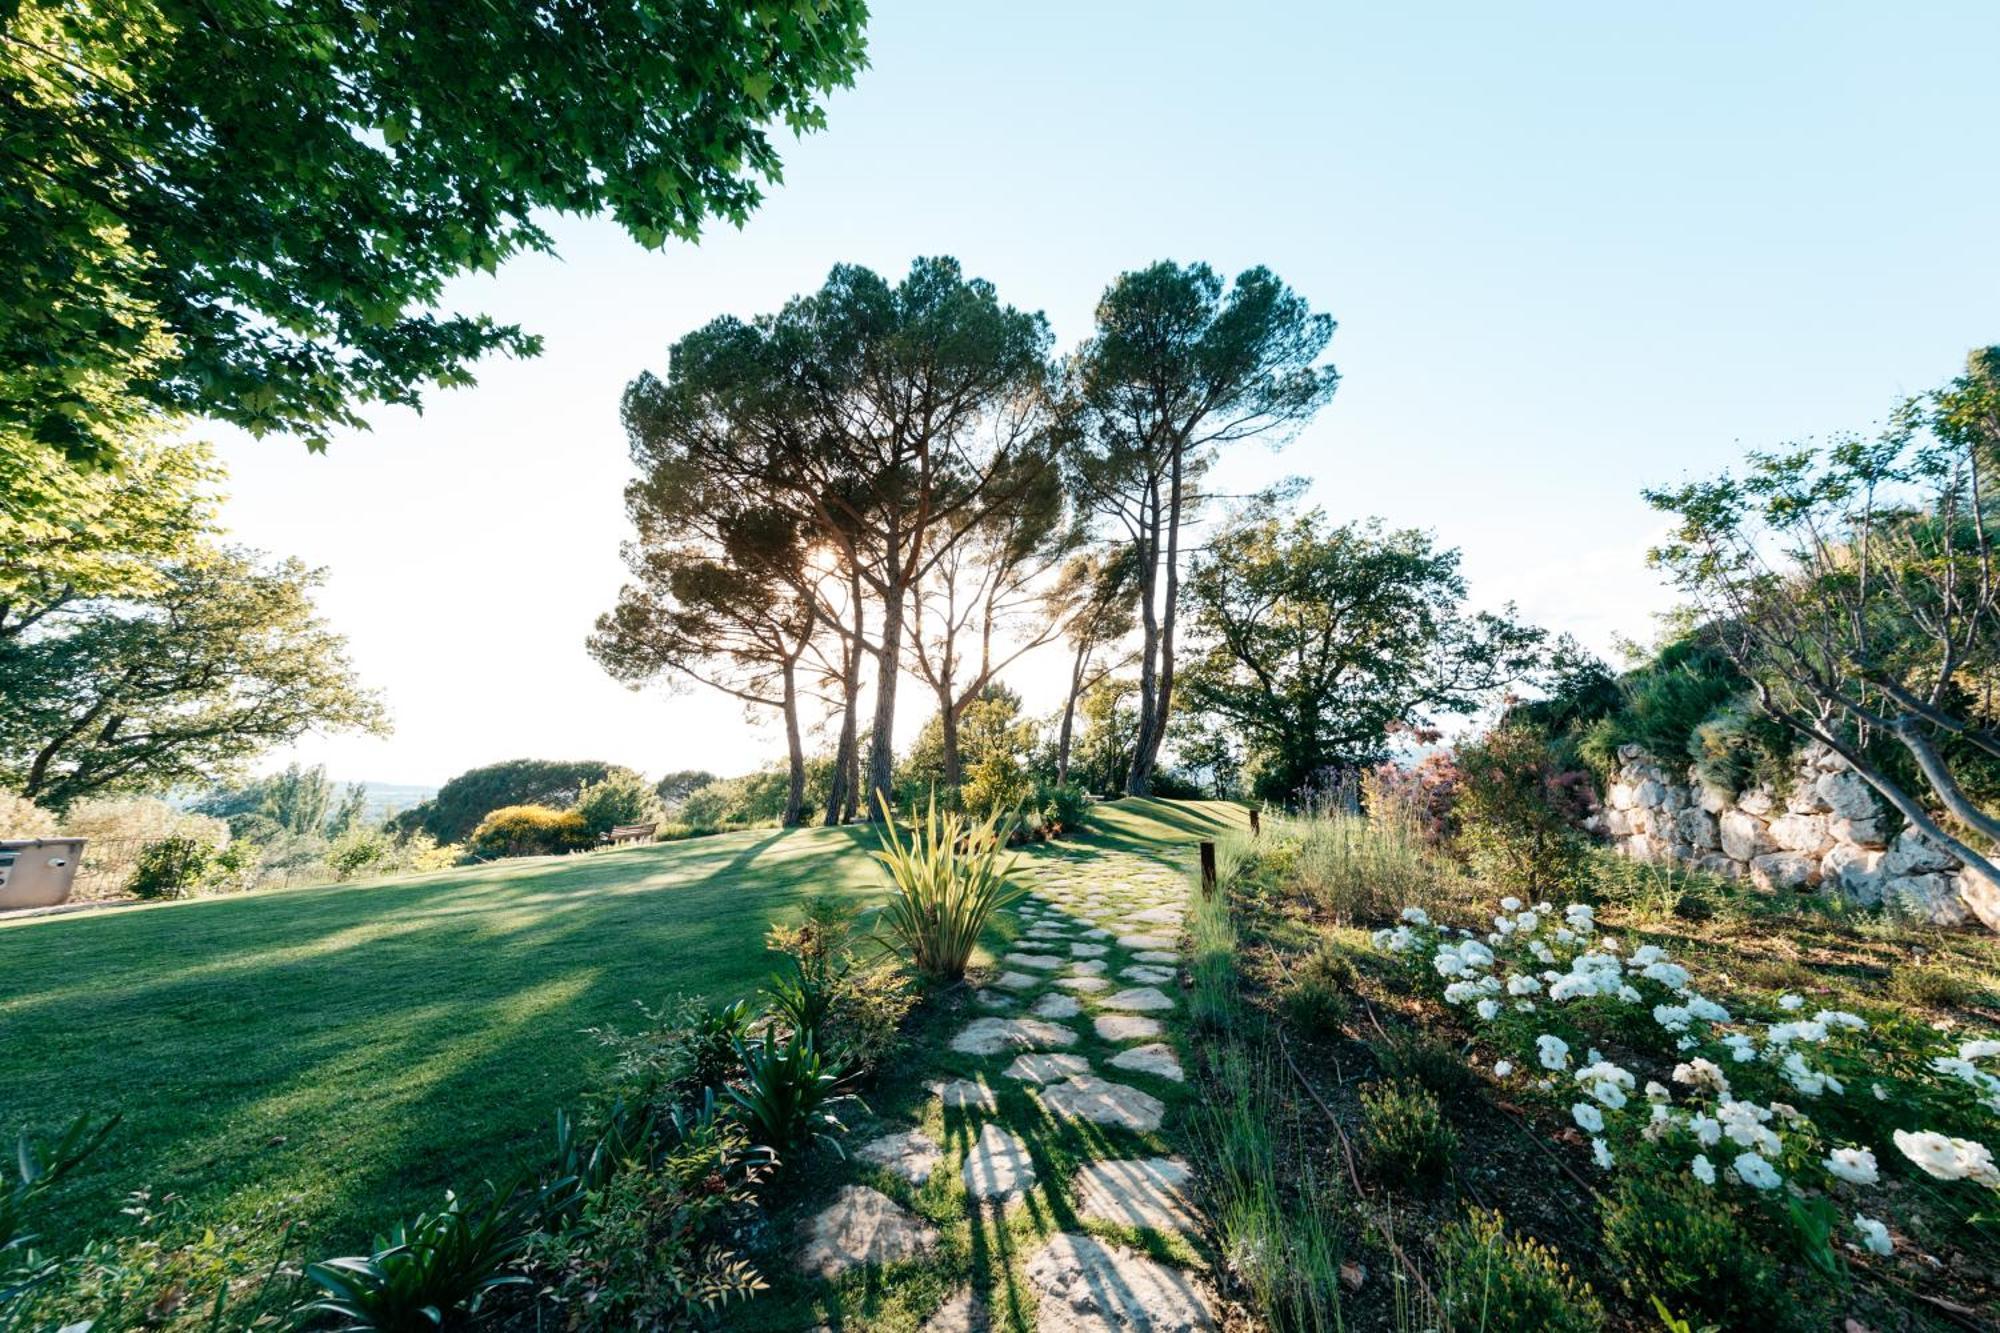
<point x="1574" y="250"/>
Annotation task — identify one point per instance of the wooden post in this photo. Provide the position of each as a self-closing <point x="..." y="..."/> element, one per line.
<point x="1208" y="870"/>
<point x="1256" y="823"/>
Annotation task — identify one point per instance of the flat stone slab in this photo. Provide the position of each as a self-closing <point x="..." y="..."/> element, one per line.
<point x="1102" y="1102"/>
<point x="1099" y="934"/>
<point x="1152" y="976"/>
<point x="1127" y="1027"/>
<point x="1159" y="916"/>
<point x="1046" y="1068"/>
<point x="1157" y="1059"/>
<point x="1089" y="950"/>
<point x="991" y="1036"/>
<point x="1156" y="956"/>
<point x="913" y="1156"/>
<point x="1150" y="1192"/>
<point x="1145" y="942"/>
<point x="1056" y="1006"/>
<point x="1088" y="985"/>
<point x="998" y="1167"/>
<point x="993" y="999"/>
<point x="1047" y="962"/>
<point x="1145" y="999"/>
<point x="1088" y="967"/>
<point x="962" y="1094"/>
<point x="1083" y="1285"/>
<point x="862" y="1226"/>
<point x="1017" y="981"/>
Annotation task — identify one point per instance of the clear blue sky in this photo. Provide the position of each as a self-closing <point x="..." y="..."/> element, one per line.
<point x="1573" y="250"/>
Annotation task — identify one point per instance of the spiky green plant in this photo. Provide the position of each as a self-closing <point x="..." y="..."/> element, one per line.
<point x="950" y="877"/>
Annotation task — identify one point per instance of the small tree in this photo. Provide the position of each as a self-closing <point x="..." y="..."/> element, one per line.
<point x="1856" y="587"/>
<point x="622" y="798"/>
<point x="1317" y="641"/>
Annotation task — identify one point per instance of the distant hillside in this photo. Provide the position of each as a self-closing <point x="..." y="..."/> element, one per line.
<point x="386" y="798"/>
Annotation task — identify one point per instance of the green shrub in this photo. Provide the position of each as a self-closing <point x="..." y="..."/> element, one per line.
<point x="1491" y="1280"/>
<point x="948" y="878"/>
<point x="684" y="1047"/>
<point x="357" y="850"/>
<point x="1408" y="1056"/>
<point x="172" y="867"/>
<point x="1060" y="807"/>
<point x="1405" y="1134"/>
<point x="647" y="1247"/>
<point x="530" y="830"/>
<point x="429" y="1273"/>
<point x="620" y="798"/>
<point x="1317" y="999"/>
<point x="1664" y="702"/>
<point x="852" y="1010"/>
<point x="1518" y="814"/>
<point x="1673" y="1239"/>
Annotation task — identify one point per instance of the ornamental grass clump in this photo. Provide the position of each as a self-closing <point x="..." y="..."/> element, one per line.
<point x="1406" y="1134"/>
<point x="950" y="877"/>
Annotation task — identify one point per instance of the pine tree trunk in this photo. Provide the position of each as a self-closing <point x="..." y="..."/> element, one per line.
<point x="1069" y="715"/>
<point x="882" y="743"/>
<point x="795" y="794"/>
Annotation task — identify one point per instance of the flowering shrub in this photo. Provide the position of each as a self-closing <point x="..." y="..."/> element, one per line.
<point x="1743" y="1103"/>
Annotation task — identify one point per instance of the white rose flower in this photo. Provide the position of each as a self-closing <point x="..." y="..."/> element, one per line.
<point x="1588" y="1118"/>
<point x="1791" y="1003"/>
<point x="1552" y="1051"/>
<point x="1416" y="916"/>
<point x="1488" y="1009"/>
<point x="1510" y="904"/>
<point x="1702" y="1169"/>
<point x="1601" y="1153"/>
<point x="1854" y="1165"/>
<point x="1874" y="1235"/>
<point x="1757" y="1173"/>
<point x="1502" y="1068"/>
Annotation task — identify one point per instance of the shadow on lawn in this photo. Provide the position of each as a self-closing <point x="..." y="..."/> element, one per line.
<point x="366" y="1046"/>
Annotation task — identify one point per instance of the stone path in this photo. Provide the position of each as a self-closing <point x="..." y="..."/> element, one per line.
<point x="1051" y="1106"/>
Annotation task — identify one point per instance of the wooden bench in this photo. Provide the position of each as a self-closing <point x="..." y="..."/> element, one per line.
<point x="626" y="834"/>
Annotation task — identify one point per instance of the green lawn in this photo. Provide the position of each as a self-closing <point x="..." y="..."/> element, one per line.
<point x="343" y="1053"/>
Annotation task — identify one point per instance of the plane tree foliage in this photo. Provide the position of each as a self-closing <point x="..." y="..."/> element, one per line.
<point x="249" y="209"/>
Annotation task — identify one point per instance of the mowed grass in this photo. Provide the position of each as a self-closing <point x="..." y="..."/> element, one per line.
<point x="340" y="1055"/>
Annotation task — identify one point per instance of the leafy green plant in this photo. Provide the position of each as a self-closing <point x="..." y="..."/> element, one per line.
<point x="1498" y="1282"/>
<point x="172" y="867"/>
<point x="645" y="1246"/>
<point x="22" y="1268"/>
<point x="1405" y="1133"/>
<point x="1672" y="1241"/>
<point x="782" y="1095"/>
<point x="852" y="1010"/>
<point x="1409" y="1056"/>
<point x="684" y="1047"/>
<point x="431" y="1272"/>
<point x="949" y="878"/>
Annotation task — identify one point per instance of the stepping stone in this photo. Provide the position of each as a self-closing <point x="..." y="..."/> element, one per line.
<point x="1156" y="956"/>
<point x="993" y="999"/>
<point x="1127" y="1027"/>
<point x="1143" y="998"/>
<point x="1056" y="1006"/>
<point x="1099" y="934"/>
<point x="1102" y="1102"/>
<point x="1159" y="916"/>
<point x="1086" y="984"/>
<point x="990" y="1036"/>
<point x="1046" y="1068"/>
<point x="1152" y="976"/>
<point x="1089" y="950"/>
<point x="1088" y="967"/>
<point x="998" y="1167"/>
<point x="965" y="1312"/>
<point x="1150" y="1192"/>
<point x="1084" y="1285"/>
<point x="1045" y="961"/>
<point x="1145" y="942"/>
<point x="1157" y="1059"/>
<point x="862" y="1226"/>
<point x="1017" y="981"/>
<point x="913" y="1156"/>
<point x="962" y="1094"/>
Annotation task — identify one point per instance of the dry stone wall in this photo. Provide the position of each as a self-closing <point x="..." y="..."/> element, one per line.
<point x="1828" y="832"/>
